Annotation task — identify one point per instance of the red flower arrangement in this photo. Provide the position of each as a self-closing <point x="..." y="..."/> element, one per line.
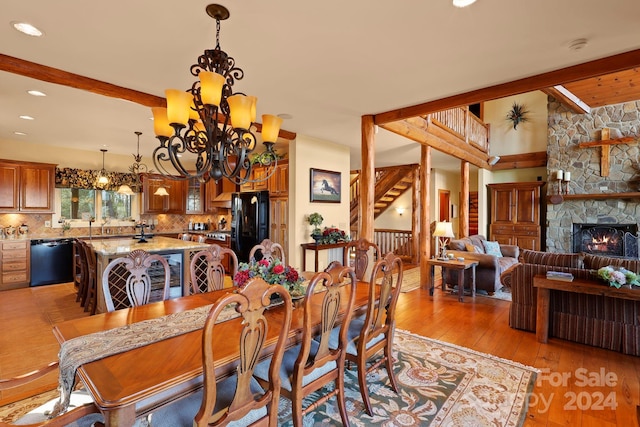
<point x="274" y="272"/>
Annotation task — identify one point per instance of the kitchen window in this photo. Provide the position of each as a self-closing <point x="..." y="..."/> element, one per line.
<point x="78" y="206"/>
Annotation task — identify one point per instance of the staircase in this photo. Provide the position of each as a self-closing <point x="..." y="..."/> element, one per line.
<point x="390" y="183"/>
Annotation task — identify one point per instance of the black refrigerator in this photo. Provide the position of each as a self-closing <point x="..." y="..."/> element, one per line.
<point x="249" y="221"/>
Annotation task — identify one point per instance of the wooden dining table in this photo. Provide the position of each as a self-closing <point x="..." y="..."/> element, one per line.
<point x="134" y="383"/>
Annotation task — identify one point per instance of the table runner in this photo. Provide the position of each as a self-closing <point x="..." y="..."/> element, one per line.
<point x="89" y="348"/>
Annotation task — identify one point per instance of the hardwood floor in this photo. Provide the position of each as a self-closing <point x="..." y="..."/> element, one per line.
<point x="482" y="324"/>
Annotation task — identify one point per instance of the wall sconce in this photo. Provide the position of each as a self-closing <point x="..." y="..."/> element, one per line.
<point x="400" y="211"/>
<point x="493" y="160"/>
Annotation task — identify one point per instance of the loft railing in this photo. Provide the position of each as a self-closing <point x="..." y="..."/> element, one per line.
<point x="463" y="124"/>
<point x="400" y="242"/>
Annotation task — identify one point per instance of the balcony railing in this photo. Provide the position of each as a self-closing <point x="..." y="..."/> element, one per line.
<point x="400" y="242"/>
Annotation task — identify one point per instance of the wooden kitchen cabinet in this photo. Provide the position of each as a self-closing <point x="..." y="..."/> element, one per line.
<point x="278" y="218"/>
<point x="26" y="186"/>
<point x="516" y="217"/>
<point x="175" y="202"/>
<point x="14" y="264"/>
<point x="279" y="180"/>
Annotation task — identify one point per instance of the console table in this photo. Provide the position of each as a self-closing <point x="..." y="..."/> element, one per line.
<point x="316" y="248"/>
<point x="584" y="286"/>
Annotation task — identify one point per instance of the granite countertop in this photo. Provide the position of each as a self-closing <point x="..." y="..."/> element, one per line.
<point x="124" y="246"/>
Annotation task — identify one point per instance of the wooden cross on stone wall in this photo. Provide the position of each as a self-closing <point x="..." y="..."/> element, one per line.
<point x="606" y="142"/>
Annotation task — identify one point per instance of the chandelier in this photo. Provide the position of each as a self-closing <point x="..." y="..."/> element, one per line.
<point x="136" y="169"/>
<point x="212" y="124"/>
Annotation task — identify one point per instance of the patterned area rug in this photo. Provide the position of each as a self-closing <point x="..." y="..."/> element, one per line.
<point x="410" y="280"/>
<point x="440" y="385"/>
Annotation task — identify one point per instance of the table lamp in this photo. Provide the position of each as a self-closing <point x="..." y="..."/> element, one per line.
<point x="443" y="232"/>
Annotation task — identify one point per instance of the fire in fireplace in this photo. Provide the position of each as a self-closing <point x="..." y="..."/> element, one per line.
<point x="619" y="240"/>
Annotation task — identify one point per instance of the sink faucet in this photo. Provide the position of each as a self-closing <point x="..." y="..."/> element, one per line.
<point x="104" y="222"/>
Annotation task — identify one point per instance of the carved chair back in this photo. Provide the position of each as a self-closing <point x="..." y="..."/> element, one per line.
<point x="128" y="281"/>
<point x="359" y="250"/>
<point x="207" y="268"/>
<point x="267" y="250"/>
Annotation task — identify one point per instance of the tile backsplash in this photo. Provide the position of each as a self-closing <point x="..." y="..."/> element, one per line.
<point x="166" y="223"/>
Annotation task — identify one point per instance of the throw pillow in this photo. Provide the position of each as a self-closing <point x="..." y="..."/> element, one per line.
<point x="471" y="248"/>
<point x="492" y="248"/>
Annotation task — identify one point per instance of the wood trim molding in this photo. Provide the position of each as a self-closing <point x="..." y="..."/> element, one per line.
<point x="536" y="159"/>
<point x="65" y="78"/>
<point x="598" y="67"/>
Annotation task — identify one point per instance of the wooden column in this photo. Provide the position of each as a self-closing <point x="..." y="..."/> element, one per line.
<point x="463" y="219"/>
<point x="367" y="179"/>
<point x="425" y="220"/>
<point x="415" y="218"/>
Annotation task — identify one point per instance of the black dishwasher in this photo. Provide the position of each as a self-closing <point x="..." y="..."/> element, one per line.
<point x="51" y="261"/>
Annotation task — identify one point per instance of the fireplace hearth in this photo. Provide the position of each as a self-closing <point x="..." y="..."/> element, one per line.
<point x="618" y="240"/>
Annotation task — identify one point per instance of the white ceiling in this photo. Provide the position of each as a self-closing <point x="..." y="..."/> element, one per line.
<point x="325" y="63"/>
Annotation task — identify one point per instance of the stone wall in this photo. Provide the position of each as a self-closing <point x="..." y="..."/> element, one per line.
<point x="566" y="130"/>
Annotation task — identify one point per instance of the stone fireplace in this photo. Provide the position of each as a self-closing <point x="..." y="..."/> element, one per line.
<point x="620" y="240"/>
<point x="599" y="202"/>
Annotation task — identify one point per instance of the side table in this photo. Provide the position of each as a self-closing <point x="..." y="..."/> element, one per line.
<point x="316" y="248"/>
<point x="460" y="267"/>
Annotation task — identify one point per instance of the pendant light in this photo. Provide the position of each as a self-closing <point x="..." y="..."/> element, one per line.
<point x="161" y="191"/>
<point x="102" y="180"/>
<point x="136" y="169"/>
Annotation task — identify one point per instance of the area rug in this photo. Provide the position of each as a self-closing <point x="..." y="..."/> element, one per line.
<point x="410" y="280"/>
<point x="440" y="384"/>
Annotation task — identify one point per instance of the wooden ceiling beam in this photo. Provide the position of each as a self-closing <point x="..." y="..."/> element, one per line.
<point x="567" y="98"/>
<point x="65" y="78"/>
<point x="420" y="130"/>
<point x="598" y="67"/>
<point x="536" y="159"/>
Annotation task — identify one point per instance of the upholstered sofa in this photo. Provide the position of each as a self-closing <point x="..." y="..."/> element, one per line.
<point x="595" y="320"/>
<point x="489" y="266"/>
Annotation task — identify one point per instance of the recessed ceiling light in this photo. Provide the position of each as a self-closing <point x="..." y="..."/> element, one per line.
<point x="463" y="3"/>
<point x="27" y="118"/>
<point x="36" y="93"/>
<point x="20" y="133"/>
<point x="285" y="116"/>
<point x="578" y="44"/>
<point x="27" y="29"/>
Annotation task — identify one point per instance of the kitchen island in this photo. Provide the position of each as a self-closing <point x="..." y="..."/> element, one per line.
<point x="177" y="252"/>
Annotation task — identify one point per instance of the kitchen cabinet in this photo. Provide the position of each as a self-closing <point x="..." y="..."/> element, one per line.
<point x="14" y="263"/>
<point x="175" y="202"/>
<point x="278" y="219"/>
<point x="277" y="183"/>
<point x="516" y="215"/>
<point x="26" y="186"/>
<point x="195" y="196"/>
<point x="279" y="180"/>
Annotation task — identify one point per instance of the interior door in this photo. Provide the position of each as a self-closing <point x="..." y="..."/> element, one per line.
<point x="444" y="198"/>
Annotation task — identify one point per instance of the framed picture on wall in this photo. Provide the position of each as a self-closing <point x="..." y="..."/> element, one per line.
<point x="325" y="186"/>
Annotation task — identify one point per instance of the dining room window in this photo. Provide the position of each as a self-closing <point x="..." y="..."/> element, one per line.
<point x="78" y="206"/>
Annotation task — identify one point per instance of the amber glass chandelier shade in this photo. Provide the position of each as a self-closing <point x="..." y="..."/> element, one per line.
<point x="178" y="106"/>
<point x="240" y="111"/>
<point x="254" y="102"/>
<point x="193" y="112"/>
<point x="211" y="84"/>
<point x="270" y="127"/>
<point x="161" y="125"/>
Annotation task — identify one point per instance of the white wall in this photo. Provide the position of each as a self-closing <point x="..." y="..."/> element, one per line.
<point x="306" y="153"/>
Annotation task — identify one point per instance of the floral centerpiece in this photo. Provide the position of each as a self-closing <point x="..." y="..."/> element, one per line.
<point x="618" y="276"/>
<point x="333" y="235"/>
<point x="274" y="272"/>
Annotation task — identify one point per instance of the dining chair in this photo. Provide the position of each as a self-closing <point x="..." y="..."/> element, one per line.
<point x="84" y="412"/>
<point x="314" y="363"/>
<point x="238" y="397"/>
<point x="359" y="250"/>
<point x="372" y="332"/>
<point x="90" y="302"/>
<point x="81" y="274"/>
<point x="127" y="281"/>
<point x="268" y="250"/>
<point x="207" y="268"/>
